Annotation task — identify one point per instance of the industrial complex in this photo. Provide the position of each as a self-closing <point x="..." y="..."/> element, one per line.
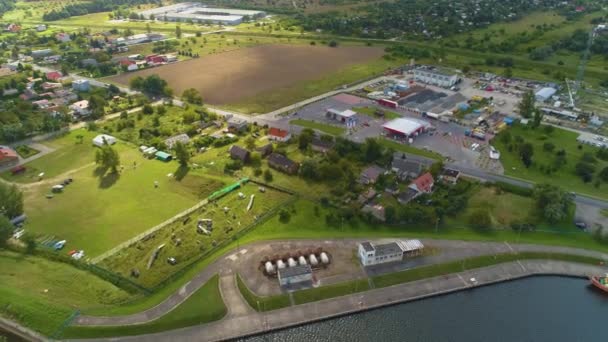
<point x="196" y="12"/>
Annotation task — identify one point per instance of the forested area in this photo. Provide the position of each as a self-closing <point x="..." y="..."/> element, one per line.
<point x="94" y="6"/>
<point x="6" y="5"/>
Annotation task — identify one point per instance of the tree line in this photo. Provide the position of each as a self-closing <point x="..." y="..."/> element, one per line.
<point x="95" y="6"/>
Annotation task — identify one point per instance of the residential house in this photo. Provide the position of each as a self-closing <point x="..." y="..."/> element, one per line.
<point x="81" y="85"/>
<point x="46" y="86"/>
<point x="13" y="28"/>
<point x="237" y="126"/>
<point x="367" y="196"/>
<point x="28" y="94"/>
<point x="449" y="176"/>
<point x="376" y="210"/>
<point x="89" y="62"/>
<point x="54" y="75"/>
<point x="81" y="108"/>
<point x="265" y="150"/>
<point x="155" y="59"/>
<point x="8" y="156"/>
<point x="392" y="189"/>
<point x="133" y="67"/>
<point x="407" y="195"/>
<point x="282" y="163"/>
<point x="41" y="28"/>
<point x="183" y="138"/>
<point x="239" y="153"/>
<point x="320" y="145"/>
<point x="405" y="168"/>
<point x="423" y="184"/>
<point x="371" y="174"/>
<point x="63" y="37"/>
<point x="10" y="92"/>
<point x="41" y="53"/>
<point x="278" y="134"/>
<point x="52" y="59"/>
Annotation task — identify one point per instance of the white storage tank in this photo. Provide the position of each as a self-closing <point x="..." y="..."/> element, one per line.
<point x="324" y="258"/>
<point x="269" y="267"/>
<point x="280" y="264"/>
<point x="313" y="260"/>
<point x="292" y="262"/>
<point x="302" y="260"/>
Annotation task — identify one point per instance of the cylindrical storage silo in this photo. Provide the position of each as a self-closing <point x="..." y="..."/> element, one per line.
<point x="280" y="264"/>
<point x="302" y="260"/>
<point x="324" y="258"/>
<point x="269" y="267"/>
<point x="291" y="262"/>
<point x="313" y="260"/>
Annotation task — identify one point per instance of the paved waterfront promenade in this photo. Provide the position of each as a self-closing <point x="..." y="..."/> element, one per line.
<point x="242" y="320"/>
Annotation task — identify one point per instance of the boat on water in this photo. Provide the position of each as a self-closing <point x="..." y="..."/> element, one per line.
<point x="601" y="282"/>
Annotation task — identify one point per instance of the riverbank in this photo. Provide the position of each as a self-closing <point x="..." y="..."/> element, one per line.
<point x="258" y="323"/>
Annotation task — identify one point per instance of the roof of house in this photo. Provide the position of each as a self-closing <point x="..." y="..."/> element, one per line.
<point x="407" y="195"/>
<point x="183" y="138"/>
<point x="84" y="104"/>
<point x="295" y="271"/>
<point x="322" y="143"/>
<point x="424" y="183"/>
<point x="280" y="159"/>
<point x="6" y="152"/>
<point x="53" y="75"/>
<point x="266" y="149"/>
<point x="405" y="165"/>
<point x="387" y="249"/>
<point x="376" y="210"/>
<point x="239" y="152"/>
<point x="372" y="172"/>
<point x="450" y="173"/>
<point x="277" y="132"/>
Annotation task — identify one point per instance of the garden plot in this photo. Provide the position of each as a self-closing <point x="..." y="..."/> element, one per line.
<point x="185" y="242"/>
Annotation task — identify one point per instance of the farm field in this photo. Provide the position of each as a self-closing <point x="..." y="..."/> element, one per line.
<point x="565" y="176"/>
<point x="226" y="224"/>
<point x="42" y="294"/>
<point x="117" y="207"/>
<point x="261" y="69"/>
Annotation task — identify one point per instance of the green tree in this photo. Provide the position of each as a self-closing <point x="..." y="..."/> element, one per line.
<point x="192" y="95"/>
<point x="30" y="243"/>
<point x="178" y="31"/>
<point x="526" y="151"/>
<point x="250" y="143"/>
<point x="181" y="153"/>
<point x="148" y="29"/>
<point x="305" y="138"/>
<point x="147" y="109"/>
<point x="107" y="158"/>
<point x="526" y="105"/>
<point x="6" y="231"/>
<point x="538" y="118"/>
<point x="552" y="201"/>
<point x="11" y="201"/>
<point x="268" y="176"/>
<point x="480" y="219"/>
<point x="585" y="171"/>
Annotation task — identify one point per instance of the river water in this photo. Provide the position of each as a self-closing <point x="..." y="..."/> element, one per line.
<point x="533" y="309"/>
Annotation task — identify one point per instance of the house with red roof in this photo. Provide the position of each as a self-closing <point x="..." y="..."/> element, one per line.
<point x="63" y="37"/>
<point x="8" y="156"/>
<point x="278" y="134"/>
<point x="13" y="28"/>
<point x="423" y="184"/>
<point x="156" y="59"/>
<point x="54" y="75"/>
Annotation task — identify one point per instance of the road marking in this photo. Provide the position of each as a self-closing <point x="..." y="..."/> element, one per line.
<point x="522" y="266"/>
<point x="464" y="281"/>
<point x="511" y="248"/>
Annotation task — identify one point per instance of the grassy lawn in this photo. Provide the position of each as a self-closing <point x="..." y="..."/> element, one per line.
<point x="42" y="294"/>
<point x="330" y="291"/>
<point x="472" y="263"/>
<point x="279" y="98"/>
<point x="203" y="306"/>
<point x="259" y="303"/>
<point x="25" y="151"/>
<point x="193" y="244"/>
<point x="118" y="207"/>
<point x="325" y="128"/>
<point x="69" y="155"/>
<point x="409" y="149"/>
<point x="371" y="112"/>
<point x="564" y="176"/>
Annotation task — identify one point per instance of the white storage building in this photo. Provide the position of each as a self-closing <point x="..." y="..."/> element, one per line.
<point x="373" y="254"/>
<point x="544" y="94"/>
<point x="295" y="275"/>
<point x="104" y="138"/>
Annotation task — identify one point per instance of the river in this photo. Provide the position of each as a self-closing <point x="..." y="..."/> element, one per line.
<point x="532" y="309"/>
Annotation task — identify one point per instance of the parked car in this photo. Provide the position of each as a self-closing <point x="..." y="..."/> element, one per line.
<point x="172" y="261"/>
<point x="581" y="225"/>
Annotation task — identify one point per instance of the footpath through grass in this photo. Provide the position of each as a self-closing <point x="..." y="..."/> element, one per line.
<point x="203" y="306"/>
<point x="325" y="128"/>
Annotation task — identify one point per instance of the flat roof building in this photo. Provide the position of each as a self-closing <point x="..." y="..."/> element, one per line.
<point x="404" y="127"/>
<point x="374" y="254"/>
<point x="295" y="275"/>
<point x="436" y="76"/>
<point x="544" y="94"/>
<point x="200" y="13"/>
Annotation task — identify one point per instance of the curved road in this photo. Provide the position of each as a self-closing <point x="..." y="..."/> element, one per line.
<point x="233" y="324"/>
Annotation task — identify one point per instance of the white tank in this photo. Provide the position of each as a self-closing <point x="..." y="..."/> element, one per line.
<point x="280" y="264"/>
<point x="313" y="260"/>
<point x="269" y="267"/>
<point x="302" y="260"/>
<point x="324" y="258"/>
<point x="292" y="262"/>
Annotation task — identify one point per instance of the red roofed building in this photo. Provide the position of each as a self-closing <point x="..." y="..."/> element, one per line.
<point x="423" y="184"/>
<point x="8" y="156"/>
<point x="278" y="134"/>
<point x="126" y="62"/>
<point x="54" y="75"/>
<point x="156" y="59"/>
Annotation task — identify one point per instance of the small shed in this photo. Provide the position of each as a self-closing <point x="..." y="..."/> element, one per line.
<point x="294" y="275"/>
<point x="163" y="156"/>
<point x="101" y="139"/>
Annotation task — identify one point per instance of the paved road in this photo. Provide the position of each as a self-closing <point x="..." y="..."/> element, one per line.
<point x="453" y="250"/>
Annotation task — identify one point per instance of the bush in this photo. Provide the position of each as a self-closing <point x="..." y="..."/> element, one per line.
<point x="514" y="189"/>
<point x="480" y="219"/>
<point x="268" y="176"/>
<point x="284" y="216"/>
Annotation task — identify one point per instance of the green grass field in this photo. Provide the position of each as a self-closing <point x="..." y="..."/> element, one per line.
<point x="259" y="303"/>
<point x="371" y="112"/>
<point x="25" y="151"/>
<point x="409" y="149"/>
<point x="324" y="128"/>
<point x="565" y="176"/>
<point x="42" y="294"/>
<point x="203" y="306"/>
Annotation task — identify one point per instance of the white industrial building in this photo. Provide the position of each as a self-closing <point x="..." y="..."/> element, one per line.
<point x="374" y="254"/>
<point x="199" y="13"/>
<point x="544" y="94"/>
<point x="593" y="140"/>
<point x="436" y="76"/>
<point x="405" y="127"/>
<point x="295" y="275"/>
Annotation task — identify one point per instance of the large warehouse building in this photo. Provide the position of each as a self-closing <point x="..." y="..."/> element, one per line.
<point x="198" y="13"/>
<point x="405" y="127"/>
<point x="436" y="76"/>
